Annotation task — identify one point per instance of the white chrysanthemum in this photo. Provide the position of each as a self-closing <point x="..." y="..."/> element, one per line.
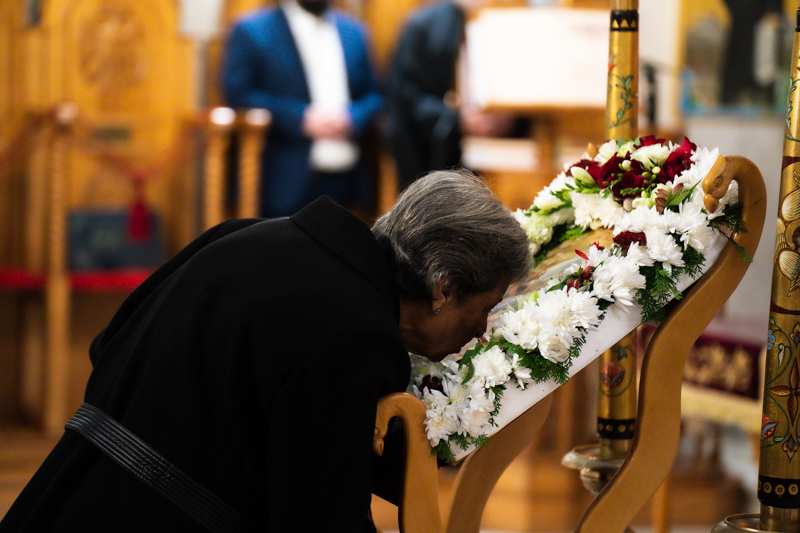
<point x="594" y="256"/>
<point x="492" y="367"/>
<point x="702" y="161"/>
<point x="691" y="223"/>
<point x="521" y="372"/>
<point x="476" y="414"/>
<point x="618" y="279"/>
<point x="440" y="420"/>
<point x="456" y="391"/>
<point x="562" y="216"/>
<point x="560" y="313"/>
<point x="594" y="211"/>
<point x="545" y="199"/>
<point x="434" y="400"/>
<point x="651" y="156"/>
<point x="439" y="426"/>
<point x="606" y="152"/>
<point x="424" y="368"/>
<point x="640" y="219"/>
<point x="521" y="327"/>
<point x="538" y="228"/>
<point x="638" y="254"/>
<point x="662" y="247"/>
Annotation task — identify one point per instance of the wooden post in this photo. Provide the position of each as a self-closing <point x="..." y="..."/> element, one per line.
<point x="220" y="125"/>
<point x="57" y="290"/>
<point x="253" y="135"/>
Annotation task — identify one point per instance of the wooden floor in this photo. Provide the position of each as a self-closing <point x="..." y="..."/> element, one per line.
<point x="535" y="494"/>
<point x="21" y="453"/>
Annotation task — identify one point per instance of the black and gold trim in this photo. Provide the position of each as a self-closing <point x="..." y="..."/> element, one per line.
<point x="627" y="20"/>
<point x="778" y="492"/>
<point x="613" y="428"/>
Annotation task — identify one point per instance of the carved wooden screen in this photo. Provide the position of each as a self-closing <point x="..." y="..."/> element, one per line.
<point x="11" y="26"/>
<point x="11" y="123"/>
<point x="131" y="73"/>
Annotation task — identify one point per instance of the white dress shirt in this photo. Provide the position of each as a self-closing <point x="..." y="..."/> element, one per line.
<point x="322" y="55"/>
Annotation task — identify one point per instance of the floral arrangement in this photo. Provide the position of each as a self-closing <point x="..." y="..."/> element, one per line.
<point x="647" y="190"/>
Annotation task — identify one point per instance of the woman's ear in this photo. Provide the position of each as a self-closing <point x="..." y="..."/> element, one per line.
<point x="441" y="294"/>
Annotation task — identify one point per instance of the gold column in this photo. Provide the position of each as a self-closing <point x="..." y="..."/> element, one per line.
<point x="616" y="409"/>
<point x="778" y="473"/>
<point x="778" y="476"/>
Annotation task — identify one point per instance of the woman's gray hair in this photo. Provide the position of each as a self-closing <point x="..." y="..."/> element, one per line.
<point x="448" y="224"/>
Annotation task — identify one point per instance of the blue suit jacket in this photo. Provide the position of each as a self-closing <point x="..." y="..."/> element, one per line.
<point x="262" y="68"/>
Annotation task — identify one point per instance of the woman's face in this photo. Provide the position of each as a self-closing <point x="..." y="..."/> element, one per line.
<point x="437" y="335"/>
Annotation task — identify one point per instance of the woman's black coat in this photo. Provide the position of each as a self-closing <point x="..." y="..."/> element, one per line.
<point x="253" y="360"/>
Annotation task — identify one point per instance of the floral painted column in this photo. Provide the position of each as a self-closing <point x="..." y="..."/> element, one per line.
<point x="616" y="412"/>
<point x="616" y="407"/>
<point x="779" y="463"/>
<point x="779" y="468"/>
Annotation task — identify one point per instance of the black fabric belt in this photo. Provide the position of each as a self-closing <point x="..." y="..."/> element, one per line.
<point x="157" y="472"/>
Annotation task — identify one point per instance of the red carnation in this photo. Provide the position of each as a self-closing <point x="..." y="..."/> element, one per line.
<point x="626" y="238"/>
<point x="431" y="383"/>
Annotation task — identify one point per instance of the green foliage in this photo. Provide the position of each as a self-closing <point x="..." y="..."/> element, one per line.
<point x="541" y="369"/>
<point x="730" y="219"/>
<point x="442" y="451"/>
<point x="561" y="233"/>
<point x="660" y="288"/>
<point x="731" y="223"/>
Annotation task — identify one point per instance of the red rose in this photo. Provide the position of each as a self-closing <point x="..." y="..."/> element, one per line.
<point x="592" y="167"/>
<point x="679" y="160"/>
<point x="649" y="140"/>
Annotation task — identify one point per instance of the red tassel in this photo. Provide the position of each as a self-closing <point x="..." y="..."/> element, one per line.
<point x="139" y="218"/>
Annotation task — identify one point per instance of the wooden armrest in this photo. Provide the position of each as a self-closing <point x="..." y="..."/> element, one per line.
<point x="419" y="505"/>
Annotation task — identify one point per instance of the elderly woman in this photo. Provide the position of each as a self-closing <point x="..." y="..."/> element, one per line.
<point x="248" y="368"/>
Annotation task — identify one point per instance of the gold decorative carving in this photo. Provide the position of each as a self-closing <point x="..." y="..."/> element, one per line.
<point x="110" y="54"/>
<point x="716" y="184"/>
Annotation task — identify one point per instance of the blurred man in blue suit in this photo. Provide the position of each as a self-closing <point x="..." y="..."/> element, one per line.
<point x="310" y="66"/>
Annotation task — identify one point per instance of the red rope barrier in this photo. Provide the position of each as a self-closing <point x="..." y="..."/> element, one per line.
<point x="139" y="220"/>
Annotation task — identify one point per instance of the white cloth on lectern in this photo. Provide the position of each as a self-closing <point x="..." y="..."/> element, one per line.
<point x="323" y="61"/>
